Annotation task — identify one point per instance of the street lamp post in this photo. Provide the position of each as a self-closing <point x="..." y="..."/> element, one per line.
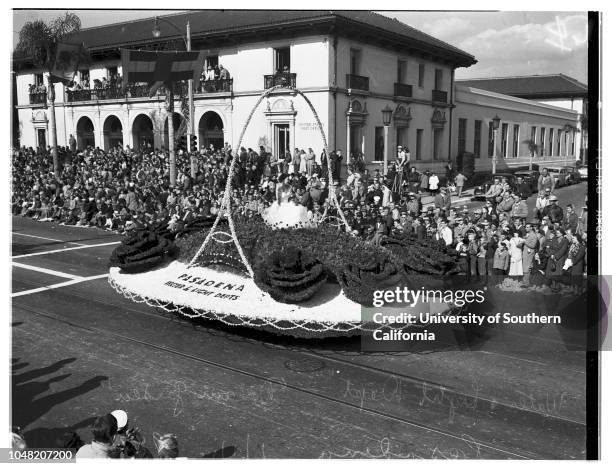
<point x="496" y="121"/>
<point x="386" y="113"/>
<point x="190" y="128"/>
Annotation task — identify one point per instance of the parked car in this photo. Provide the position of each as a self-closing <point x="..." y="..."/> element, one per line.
<point x="583" y="172"/>
<point x="572" y="175"/>
<point x="481" y="189"/>
<point x="559" y="176"/>
<point x="530" y="177"/>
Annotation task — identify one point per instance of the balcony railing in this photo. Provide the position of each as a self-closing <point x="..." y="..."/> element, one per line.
<point x="40" y="97"/>
<point x="357" y="82"/>
<point x="215" y="86"/>
<point x="439" y="96"/>
<point x="283" y="79"/>
<point x="142" y="91"/>
<point x="400" y="89"/>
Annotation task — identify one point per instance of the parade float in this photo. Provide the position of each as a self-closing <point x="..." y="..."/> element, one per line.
<point x="301" y="280"/>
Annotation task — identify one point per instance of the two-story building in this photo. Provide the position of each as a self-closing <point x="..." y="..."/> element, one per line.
<point x="350" y="65"/>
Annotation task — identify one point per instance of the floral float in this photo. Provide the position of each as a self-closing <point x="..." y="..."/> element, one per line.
<point x="308" y="281"/>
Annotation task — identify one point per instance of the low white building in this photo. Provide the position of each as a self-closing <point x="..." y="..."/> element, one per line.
<point x="350" y="65"/>
<point x="559" y="90"/>
<point x="549" y="127"/>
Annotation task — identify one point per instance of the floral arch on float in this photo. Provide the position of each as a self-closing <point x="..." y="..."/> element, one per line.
<point x="305" y="281"/>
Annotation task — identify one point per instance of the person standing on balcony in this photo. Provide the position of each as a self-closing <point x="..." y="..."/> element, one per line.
<point x="72" y="142"/>
<point x="224" y="74"/>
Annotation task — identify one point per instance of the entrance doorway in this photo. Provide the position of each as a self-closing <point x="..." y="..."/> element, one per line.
<point x="356" y="140"/>
<point x="281" y="140"/>
<point x="41" y="138"/>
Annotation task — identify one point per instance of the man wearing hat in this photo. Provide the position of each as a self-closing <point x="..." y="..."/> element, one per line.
<point x="553" y="211"/>
<point x="476" y="216"/>
<point x="442" y="200"/>
<point x="520" y="209"/>
<point x="460" y="229"/>
<point x="507" y="202"/>
<point x="414" y="204"/>
<point x="420" y="230"/>
<point x="530" y="247"/>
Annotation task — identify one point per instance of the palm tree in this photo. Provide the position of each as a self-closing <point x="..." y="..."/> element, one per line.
<point x="533" y="150"/>
<point x="38" y="42"/>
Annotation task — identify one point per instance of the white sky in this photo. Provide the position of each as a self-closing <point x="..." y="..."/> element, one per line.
<point x="505" y="43"/>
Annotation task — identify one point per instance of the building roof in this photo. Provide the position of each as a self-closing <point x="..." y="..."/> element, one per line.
<point x="531" y="87"/>
<point x="252" y="25"/>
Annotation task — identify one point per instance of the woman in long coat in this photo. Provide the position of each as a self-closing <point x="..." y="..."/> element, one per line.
<point x="310" y="161"/>
<point x="576" y="253"/>
<point x="558" y="254"/>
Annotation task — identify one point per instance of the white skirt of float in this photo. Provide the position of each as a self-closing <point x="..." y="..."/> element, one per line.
<point x="236" y="300"/>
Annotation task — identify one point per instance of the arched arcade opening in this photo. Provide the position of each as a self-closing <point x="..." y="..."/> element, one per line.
<point x="113" y="132"/>
<point x="210" y="130"/>
<point x="142" y="132"/>
<point x="85" y="133"/>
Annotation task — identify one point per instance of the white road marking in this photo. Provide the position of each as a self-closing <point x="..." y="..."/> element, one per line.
<point x="47" y="239"/>
<point x="58" y="285"/>
<point x="42" y="270"/>
<point x="81" y="246"/>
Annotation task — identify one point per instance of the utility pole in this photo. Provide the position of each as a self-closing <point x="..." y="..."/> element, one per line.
<point x="190" y="126"/>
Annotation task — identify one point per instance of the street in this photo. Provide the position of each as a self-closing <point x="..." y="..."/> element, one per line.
<point x="80" y="350"/>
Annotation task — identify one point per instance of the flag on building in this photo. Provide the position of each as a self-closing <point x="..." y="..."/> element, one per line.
<point x="67" y="60"/>
<point x="157" y="68"/>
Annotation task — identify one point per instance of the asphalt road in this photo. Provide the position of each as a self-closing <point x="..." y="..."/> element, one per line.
<point x="80" y="350"/>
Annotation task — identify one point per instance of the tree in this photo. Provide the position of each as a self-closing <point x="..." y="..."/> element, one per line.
<point x="38" y="42"/>
<point x="533" y="150"/>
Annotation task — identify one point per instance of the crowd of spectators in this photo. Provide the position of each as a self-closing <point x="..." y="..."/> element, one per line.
<point x="122" y="189"/>
<point x="40" y="88"/>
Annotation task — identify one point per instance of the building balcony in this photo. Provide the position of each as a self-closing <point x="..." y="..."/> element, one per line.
<point x="399" y="89"/>
<point x="438" y="96"/>
<point x="101" y="94"/>
<point x="142" y="91"/>
<point x="214" y="86"/>
<point x="357" y="82"/>
<point x="39" y="97"/>
<point x="285" y="79"/>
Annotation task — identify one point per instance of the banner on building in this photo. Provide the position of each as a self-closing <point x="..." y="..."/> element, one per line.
<point x="67" y="60"/>
<point x="157" y="68"/>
